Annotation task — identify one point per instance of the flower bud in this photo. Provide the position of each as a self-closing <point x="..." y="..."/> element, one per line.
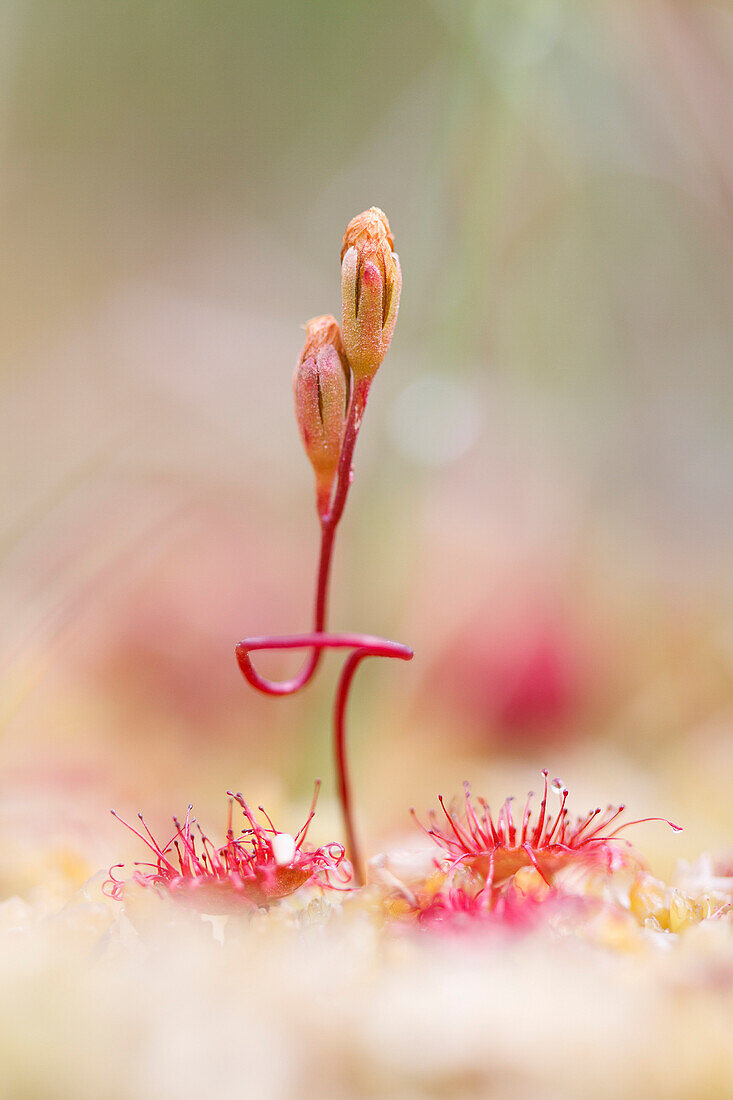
<point x="321" y="386"/>
<point x="371" y="282"/>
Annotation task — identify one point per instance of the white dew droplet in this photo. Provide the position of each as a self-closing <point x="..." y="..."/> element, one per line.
<point x="557" y="785"/>
<point x="283" y="848"/>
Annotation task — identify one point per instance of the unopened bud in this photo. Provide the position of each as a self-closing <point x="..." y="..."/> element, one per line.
<point x="321" y="386"/>
<point x="371" y="282"/>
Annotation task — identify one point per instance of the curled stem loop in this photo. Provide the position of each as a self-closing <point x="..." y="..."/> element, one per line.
<point x="362" y="646"/>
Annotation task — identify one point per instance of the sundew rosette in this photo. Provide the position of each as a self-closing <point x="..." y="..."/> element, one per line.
<point x="485" y="854"/>
<point x="255" y="868"/>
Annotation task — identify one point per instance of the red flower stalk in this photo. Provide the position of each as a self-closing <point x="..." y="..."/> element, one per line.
<point x="496" y="847"/>
<point x="371" y="284"/>
<point x="256" y="868"/>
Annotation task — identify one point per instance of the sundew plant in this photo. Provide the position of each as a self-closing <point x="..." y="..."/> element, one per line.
<point x="505" y="867"/>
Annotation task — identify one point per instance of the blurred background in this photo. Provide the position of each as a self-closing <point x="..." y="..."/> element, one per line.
<point x="544" y="481"/>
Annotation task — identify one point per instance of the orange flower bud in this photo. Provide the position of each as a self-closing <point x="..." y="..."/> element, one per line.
<point x="371" y="282"/>
<point x="321" y="386"/>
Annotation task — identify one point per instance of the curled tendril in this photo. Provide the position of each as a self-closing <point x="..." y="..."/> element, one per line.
<point x="361" y="646"/>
